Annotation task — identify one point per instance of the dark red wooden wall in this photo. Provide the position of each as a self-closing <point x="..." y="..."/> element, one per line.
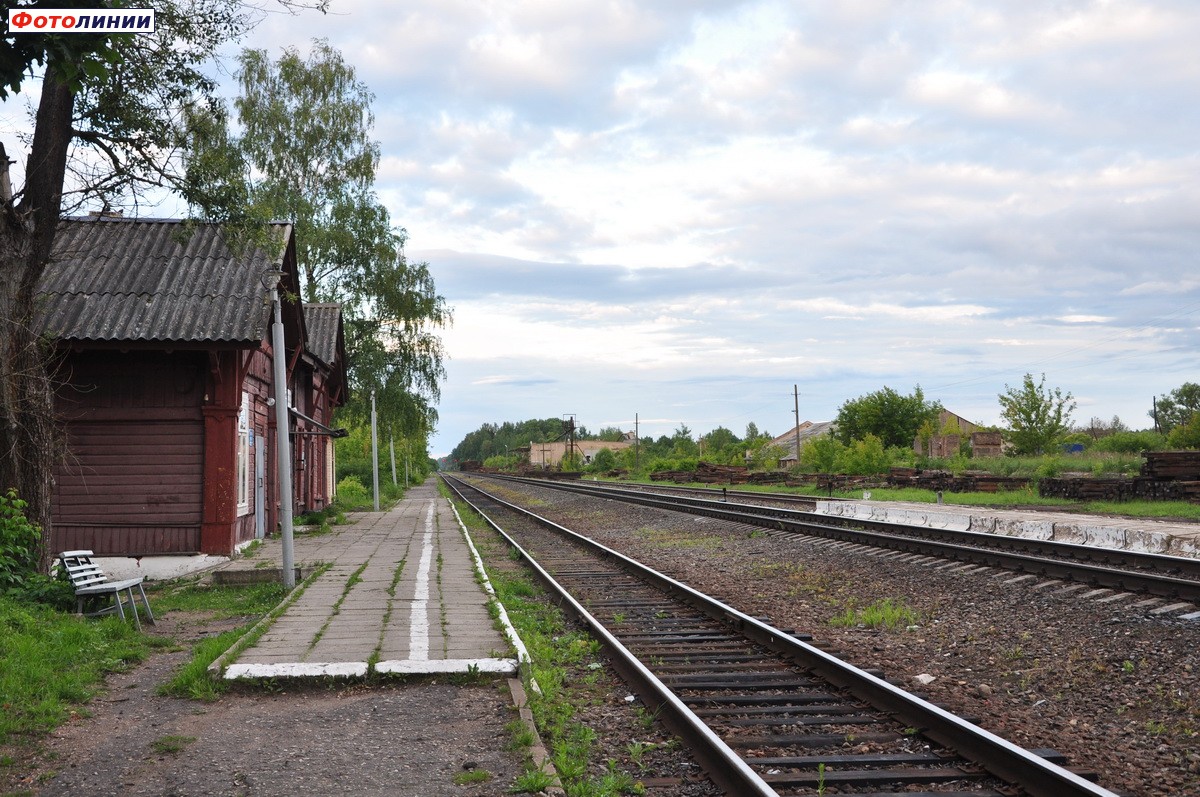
<point x="133" y="479"/>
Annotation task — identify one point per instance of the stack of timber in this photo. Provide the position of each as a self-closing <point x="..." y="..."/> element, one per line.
<point x="677" y="476"/>
<point x="945" y="481"/>
<point x="1087" y="488"/>
<point x="709" y="473"/>
<point x="1172" y="465"/>
<point x="1165" y="476"/>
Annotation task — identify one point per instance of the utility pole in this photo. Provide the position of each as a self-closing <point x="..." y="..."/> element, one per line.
<point x="636" y="443"/>
<point x="796" y="397"/>
<point x="283" y="445"/>
<point x="392" y="445"/>
<point x="374" y="452"/>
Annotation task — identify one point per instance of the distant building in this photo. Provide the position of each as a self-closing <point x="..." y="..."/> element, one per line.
<point x="550" y="455"/>
<point x="945" y="446"/>
<point x="808" y="431"/>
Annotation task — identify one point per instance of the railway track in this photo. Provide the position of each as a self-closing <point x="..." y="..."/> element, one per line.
<point x="764" y="712"/>
<point x="1152" y="574"/>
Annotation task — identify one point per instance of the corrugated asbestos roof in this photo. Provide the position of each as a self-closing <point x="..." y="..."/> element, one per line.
<point x="322" y="321"/>
<point x="154" y="280"/>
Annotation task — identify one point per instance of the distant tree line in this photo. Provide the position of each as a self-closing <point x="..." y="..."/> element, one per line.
<point x="871" y="434"/>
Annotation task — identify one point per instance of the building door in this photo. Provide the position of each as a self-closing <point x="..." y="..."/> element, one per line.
<point x="260" y="490"/>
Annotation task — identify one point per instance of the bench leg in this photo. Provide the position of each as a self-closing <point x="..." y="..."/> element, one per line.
<point x="137" y="623"/>
<point x="120" y="604"/>
<point x="146" y="603"/>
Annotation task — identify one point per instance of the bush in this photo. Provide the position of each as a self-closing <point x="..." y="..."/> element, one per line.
<point x="19" y="575"/>
<point x="1130" y="442"/>
<point x="604" y="460"/>
<point x="865" y="457"/>
<point x="353" y="494"/>
<point x="820" y="454"/>
<point x="1186" y="435"/>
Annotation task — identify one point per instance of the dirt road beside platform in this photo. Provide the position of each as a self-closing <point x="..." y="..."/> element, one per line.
<point x="397" y="739"/>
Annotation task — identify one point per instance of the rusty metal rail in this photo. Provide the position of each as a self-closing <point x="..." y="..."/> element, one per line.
<point x="765" y="712"/>
<point x="1153" y="574"/>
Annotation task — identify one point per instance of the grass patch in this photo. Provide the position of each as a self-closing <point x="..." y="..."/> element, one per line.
<point x="886" y="613"/>
<point x="677" y="539"/>
<point x="171" y="745"/>
<point x="472" y="776"/>
<point x="220" y="601"/>
<point x="194" y="681"/>
<point x="51" y="663"/>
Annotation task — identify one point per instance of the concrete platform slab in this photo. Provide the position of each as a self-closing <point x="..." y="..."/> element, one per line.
<point x="401" y="590"/>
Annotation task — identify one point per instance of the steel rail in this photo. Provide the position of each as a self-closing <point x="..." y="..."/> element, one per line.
<point x="1001" y="758"/>
<point x="1155" y="573"/>
<point x="727" y="769"/>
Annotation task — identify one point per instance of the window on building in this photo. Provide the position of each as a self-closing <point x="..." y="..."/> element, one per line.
<point x="245" y="471"/>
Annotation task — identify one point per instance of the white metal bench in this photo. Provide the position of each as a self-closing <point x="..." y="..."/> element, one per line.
<point x="90" y="582"/>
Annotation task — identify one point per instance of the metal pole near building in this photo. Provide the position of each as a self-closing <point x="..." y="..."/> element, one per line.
<point x="374" y="452"/>
<point x="283" y="446"/>
<point x="392" y="444"/>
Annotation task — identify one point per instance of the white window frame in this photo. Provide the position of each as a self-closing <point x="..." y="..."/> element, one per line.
<point x="245" y="470"/>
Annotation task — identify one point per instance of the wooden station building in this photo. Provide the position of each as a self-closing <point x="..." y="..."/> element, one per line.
<point x="165" y="386"/>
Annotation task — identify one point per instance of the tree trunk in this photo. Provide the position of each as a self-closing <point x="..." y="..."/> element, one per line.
<point x="29" y="444"/>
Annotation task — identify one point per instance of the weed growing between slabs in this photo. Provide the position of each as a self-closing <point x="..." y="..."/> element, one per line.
<point x="564" y="665"/>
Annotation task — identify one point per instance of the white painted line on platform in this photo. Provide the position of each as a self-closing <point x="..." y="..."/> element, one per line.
<point x="418" y="635"/>
<point x="345" y="669"/>
<point x="410" y="667"/>
<point x="509" y="631"/>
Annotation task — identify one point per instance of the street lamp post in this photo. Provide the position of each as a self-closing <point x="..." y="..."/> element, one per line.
<point x="283" y="446"/>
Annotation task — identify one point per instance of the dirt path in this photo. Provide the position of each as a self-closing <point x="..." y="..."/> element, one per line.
<point x="403" y="739"/>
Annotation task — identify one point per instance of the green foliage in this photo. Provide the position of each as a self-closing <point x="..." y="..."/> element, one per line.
<point x="51" y="661"/>
<point x="19" y="548"/>
<point x="886" y="613"/>
<point x="193" y="681"/>
<point x="1177" y="407"/>
<point x="603" y="460"/>
<point x="723" y="446"/>
<point x="305" y="153"/>
<point x="1037" y="416"/>
<point x="1186" y="435"/>
<point x="18" y="543"/>
<point x="820" y="454"/>
<point x="133" y="94"/>
<point x="491" y="439"/>
<point x="352" y="494"/>
<point x="354" y="456"/>
<point x="891" y="417"/>
<point x="864" y="457"/>
<point x="1130" y="442"/>
<point x="502" y="462"/>
<point x="1076" y="438"/>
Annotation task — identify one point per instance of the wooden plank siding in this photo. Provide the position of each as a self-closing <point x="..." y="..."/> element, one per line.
<point x="132" y="479"/>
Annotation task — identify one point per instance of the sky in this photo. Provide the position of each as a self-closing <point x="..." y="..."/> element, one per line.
<point x="682" y="210"/>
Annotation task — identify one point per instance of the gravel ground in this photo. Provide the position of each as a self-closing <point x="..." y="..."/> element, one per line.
<point x="1114" y="689"/>
<point x="408" y="739"/>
